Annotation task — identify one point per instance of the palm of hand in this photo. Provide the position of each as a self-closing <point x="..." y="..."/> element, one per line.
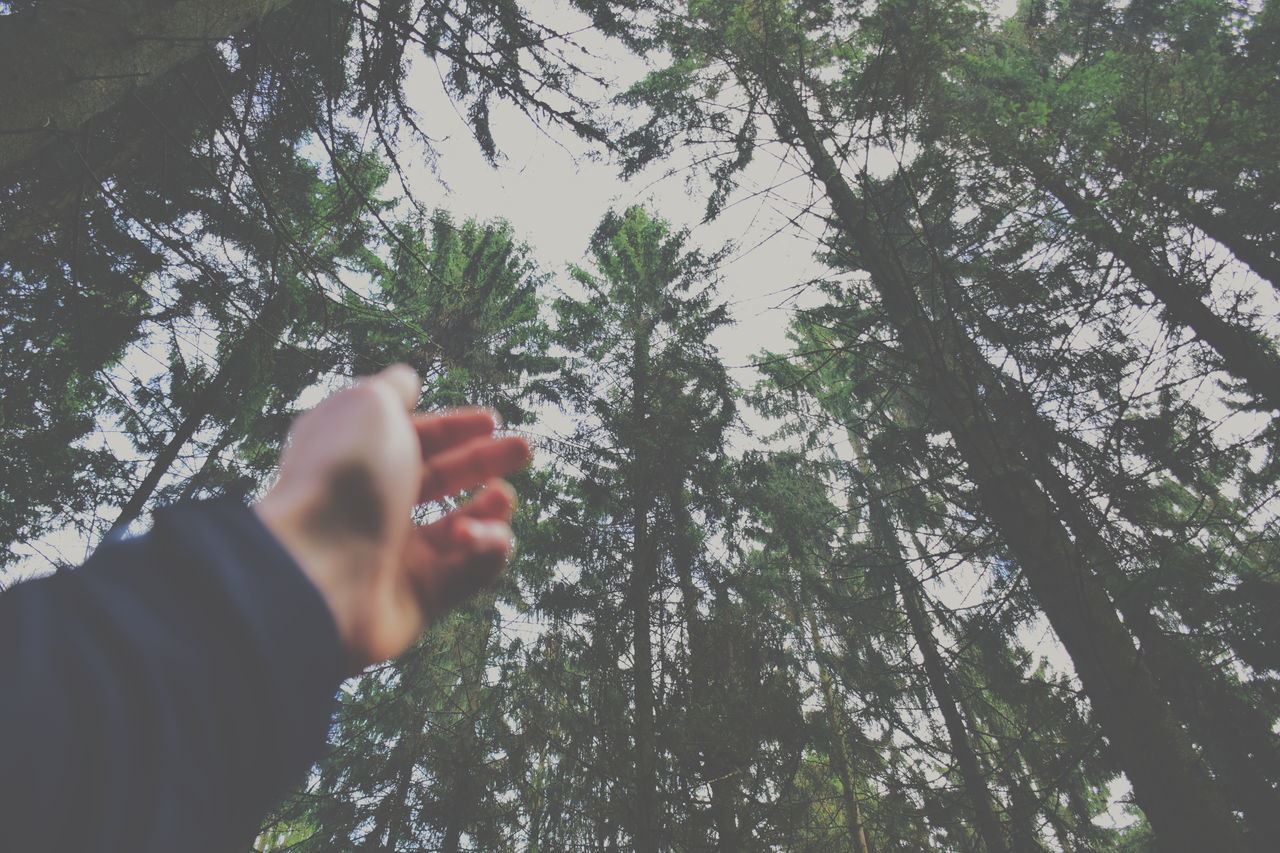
<point x="354" y="469"/>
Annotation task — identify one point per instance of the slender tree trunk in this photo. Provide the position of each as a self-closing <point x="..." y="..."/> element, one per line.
<point x="68" y="61"/>
<point x="644" y="576"/>
<point x="1245" y="354"/>
<point x="971" y="773"/>
<point x="707" y="674"/>
<point x="196" y="413"/>
<point x="1176" y="793"/>
<point x="646" y="840"/>
<point x="1020" y="816"/>
<point x="389" y="815"/>
<point x="200" y="480"/>
<point x="1220" y="228"/>
<point x="271" y="323"/>
<point x="886" y="542"/>
<point x="453" y="829"/>
<point x="472" y="643"/>
<point x="398" y="812"/>
<point x="1215" y="226"/>
<point x="801" y="613"/>
<point x="1024" y="836"/>
<point x="1237" y="739"/>
<point x="840" y="754"/>
<point x="536" y="805"/>
<point x="708" y="703"/>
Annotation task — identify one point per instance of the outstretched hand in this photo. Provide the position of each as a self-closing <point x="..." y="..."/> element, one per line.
<point x="353" y="470"/>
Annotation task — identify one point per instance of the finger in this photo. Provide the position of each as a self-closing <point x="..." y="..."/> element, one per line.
<point x="472" y="463"/>
<point x="495" y="503"/>
<point x="476" y="567"/>
<point x="404" y="380"/>
<point x="442" y="431"/>
<point x="497" y="500"/>
<point x="484" y="536"/>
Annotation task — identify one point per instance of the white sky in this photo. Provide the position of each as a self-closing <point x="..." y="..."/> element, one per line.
<point x="554" y="193"/>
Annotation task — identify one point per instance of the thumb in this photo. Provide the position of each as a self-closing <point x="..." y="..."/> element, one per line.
<point x="404" y="380"/>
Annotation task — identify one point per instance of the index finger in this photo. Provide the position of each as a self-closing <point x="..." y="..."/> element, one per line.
<point x="470" y="464"/>
<point x="441" y="431"/>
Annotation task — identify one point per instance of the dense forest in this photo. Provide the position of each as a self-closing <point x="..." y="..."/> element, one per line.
<point x="985" y="559"/>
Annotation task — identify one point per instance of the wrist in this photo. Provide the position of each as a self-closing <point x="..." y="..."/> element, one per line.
<point x="330" y="567"/>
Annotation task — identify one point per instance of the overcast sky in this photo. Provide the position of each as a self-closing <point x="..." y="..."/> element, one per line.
<point x="554" y="193"/>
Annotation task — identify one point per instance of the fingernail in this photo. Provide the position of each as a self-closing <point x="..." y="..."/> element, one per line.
<point x="489" y="531"/>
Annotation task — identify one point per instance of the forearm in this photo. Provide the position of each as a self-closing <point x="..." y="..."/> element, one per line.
<point x="164" y="694"/>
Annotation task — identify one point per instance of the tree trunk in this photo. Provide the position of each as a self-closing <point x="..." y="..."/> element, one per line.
<point x="885" y="539"/>
<point x="536" y="805"/>
<point x="201" y="479"/>
<point x="1220" y="228"/>
<point x="1023" y="805"/>
<point x="840" y="753"/>
<point x="199" y="410"/>
<point x="67" y="61"/>
<point x="1172" y="787"/>
<point x="472" y="644"/>
<point x="1215" y="226"/>
<point x="800" y="612"/>
<point x="70" y="174"/>
<point x="644" y="576"/>
<point x="1237" y="738"/>
<point x="707" y="676"/>
<point x="971" y="774"/>
<point x="642" y="680"/>
<point x="271" y="323"/>
<point x="389" y="813"/>
<point x="1245" y="354"/>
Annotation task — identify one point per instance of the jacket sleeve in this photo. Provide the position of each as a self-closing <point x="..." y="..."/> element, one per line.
<point x="162" y="696"/>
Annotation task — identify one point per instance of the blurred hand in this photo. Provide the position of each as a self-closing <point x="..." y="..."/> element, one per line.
<point x="353" y="470"/>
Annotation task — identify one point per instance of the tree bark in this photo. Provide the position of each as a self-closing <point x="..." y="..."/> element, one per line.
<point x="707" y="676"/>
<point x="885" y="539"/>
<point x="1237" y="739"/>
<point x="644" y="576"/>
<point x="271" y="323"/>
<point x="1172" y="787"/>
<point x="68" y="61"/>
<point x="840" y="754"/>
<point x="1219" y="228"/>
<point x="71" y="173"/>
<point x="1245" y="354"/>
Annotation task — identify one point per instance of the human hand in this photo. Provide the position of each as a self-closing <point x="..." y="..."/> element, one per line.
<point x="352" y="472"/>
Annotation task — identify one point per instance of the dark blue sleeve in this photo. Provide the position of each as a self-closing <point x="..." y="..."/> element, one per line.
<point x="165" y="694"/>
